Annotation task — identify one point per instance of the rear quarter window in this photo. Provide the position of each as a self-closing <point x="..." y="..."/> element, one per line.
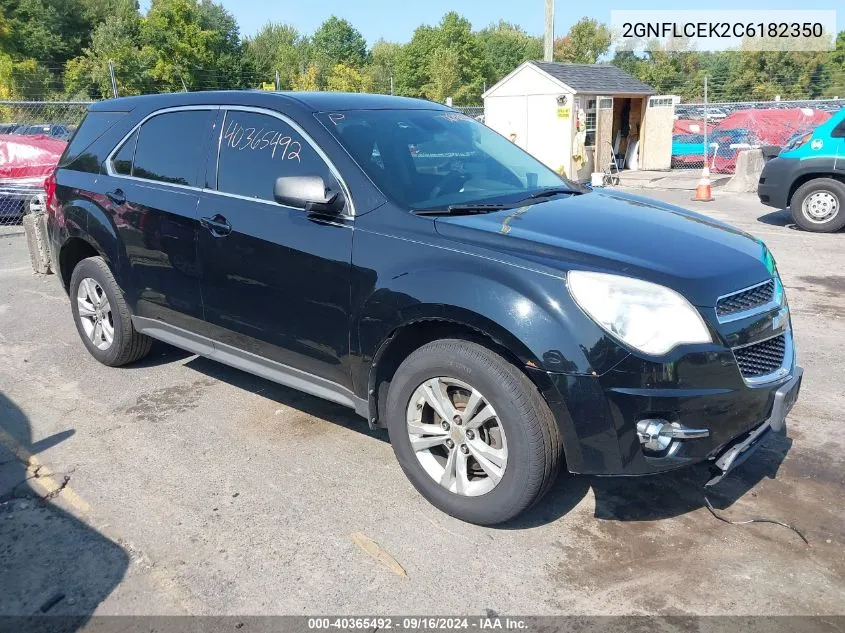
<point x="77" y="155"/>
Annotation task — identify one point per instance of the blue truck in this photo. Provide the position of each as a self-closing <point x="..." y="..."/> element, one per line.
<point x="808" y="177"/>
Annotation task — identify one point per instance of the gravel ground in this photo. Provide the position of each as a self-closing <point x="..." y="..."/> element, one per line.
<point x="181" y="486"/>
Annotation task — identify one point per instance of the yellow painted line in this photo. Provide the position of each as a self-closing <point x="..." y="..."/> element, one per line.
<point x="42" y="477"/>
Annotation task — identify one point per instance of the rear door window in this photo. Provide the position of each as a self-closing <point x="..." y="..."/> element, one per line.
<point x="256" y="149"/>
<point x="170" y="147"/>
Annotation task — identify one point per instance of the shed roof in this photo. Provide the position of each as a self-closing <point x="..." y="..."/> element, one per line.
<point x="598" y="78"/>
<point x="588" y="78"/>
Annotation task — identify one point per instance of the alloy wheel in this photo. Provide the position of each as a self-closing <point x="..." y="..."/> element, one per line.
<point x="457" y="436"/>
<point x="95" y="313"/>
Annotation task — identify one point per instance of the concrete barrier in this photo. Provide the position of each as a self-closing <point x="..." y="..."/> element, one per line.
<point x="35" y="227"/>
<point x="749" y="166"/>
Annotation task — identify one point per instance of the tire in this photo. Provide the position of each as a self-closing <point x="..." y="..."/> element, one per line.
<point x="127" y="345"/>
<point x="523" y="430"/>
<point x="816" y="198"/>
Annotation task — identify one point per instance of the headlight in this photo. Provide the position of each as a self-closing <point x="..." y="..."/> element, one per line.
<point x="648" y="317"/>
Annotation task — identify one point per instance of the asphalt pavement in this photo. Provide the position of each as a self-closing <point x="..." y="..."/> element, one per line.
<point x="181" y="486"/>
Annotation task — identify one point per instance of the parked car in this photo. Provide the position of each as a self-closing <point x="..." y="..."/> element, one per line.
<point x="496" y="318"/>
<point x="24" y="164"/>
<point x="55" y="130"/>
<point x="808" y="177"/>
<point x="8" y="128"/>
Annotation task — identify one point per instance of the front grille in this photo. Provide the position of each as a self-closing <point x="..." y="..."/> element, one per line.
<point x="746" y="299"/>
<point x="761" y="359"/>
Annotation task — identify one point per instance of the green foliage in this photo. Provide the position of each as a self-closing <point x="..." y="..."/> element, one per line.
<point x="338" y="42"/>
<point x="504" y="47"/>
<point x="62" y="48"/>
<point x="278" y="47"/>
<point x="308" y="80"/>
<point x="97" y="11"/>
<point x="585" y="43"/>
<point x="451" y="40"/>
<point x="344" y="78"/>
<point x="25" y="79"/>
<point x="384" y="59"/>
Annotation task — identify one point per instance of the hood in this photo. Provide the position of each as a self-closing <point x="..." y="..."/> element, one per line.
<point x="625" y="234"/>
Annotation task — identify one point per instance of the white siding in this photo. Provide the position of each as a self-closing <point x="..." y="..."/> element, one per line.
<point x="525" y="105"/>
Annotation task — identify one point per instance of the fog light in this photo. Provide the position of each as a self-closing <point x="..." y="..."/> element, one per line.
<point x="656" y="435"/>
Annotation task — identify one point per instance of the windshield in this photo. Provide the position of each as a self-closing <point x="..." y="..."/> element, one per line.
<point x="430" y="159"/>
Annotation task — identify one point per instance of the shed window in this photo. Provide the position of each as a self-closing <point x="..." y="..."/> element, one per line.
<point x="590" y="123"/>
<point x="660" y="102"/>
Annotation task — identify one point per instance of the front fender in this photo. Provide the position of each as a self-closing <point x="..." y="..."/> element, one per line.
<point x="530" y="313"/>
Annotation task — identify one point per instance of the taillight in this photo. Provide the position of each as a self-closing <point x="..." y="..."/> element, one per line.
<point x="50" y="188"/>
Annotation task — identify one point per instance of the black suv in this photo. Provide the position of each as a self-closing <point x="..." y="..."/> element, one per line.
<point x="406" y="261"/>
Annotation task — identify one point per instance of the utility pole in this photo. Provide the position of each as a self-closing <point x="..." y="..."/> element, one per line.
<point x="278" y="82"/>
<point x="549" y="38"/>
<point x="391" y="84"/>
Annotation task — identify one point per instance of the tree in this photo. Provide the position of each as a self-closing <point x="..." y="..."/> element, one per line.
<point x="191" y="41"/>
<point x="587" y="41"/>
<point x="98" y="11"/>
<point x="444" y="74"/>
<point x="50" y="31"/>
<point x="384" y="58"/>
<point x="338" y="42"/>
<point x="414" y="64"/>
<point x="345" y="78"/>
<point x="504" y="47"/>
<point x="278" y="47"/>
<point x="307" y="80"/>
<point x="116" y="39"/>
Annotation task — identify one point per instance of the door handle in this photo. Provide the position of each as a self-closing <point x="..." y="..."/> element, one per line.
<point x="117" y="196"/>
<point x="217" y="225"/>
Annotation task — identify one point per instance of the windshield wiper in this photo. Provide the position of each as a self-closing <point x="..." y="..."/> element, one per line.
<point x="470" y="208"/>
<point x="553" y="191"/>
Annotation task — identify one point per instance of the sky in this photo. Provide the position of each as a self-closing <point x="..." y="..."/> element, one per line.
<point x="396" y="19"/>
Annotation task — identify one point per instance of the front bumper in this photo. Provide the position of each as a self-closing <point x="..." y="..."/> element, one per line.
<point x="18" y="197"/>
<point x="598" y="415"/>
<point x="775" y="182"/>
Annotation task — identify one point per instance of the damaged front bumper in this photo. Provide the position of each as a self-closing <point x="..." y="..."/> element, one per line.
<point x="741" y="449"/>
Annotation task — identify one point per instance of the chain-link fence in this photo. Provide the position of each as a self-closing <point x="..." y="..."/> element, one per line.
<point x="729" y="128"/>
<point x="33" y="134"/>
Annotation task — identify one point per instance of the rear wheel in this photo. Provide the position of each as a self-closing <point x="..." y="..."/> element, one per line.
<point x="819" y="205"/>
<point x="102" y="316"/>
<point x="471" y="431"/>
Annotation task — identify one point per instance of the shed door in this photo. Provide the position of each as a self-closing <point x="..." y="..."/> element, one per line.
<point x="604" y="132"/>
<point x="656" y="136"/>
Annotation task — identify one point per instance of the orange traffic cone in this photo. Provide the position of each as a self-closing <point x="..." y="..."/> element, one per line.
<point x="702" y="190"/>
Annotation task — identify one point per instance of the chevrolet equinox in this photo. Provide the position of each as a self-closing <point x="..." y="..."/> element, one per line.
<point x="399" y="258"/>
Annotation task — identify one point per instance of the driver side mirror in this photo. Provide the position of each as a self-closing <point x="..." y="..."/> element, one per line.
<point x="307" y="192"/>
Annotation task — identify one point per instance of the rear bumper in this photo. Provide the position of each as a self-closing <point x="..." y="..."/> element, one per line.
<point x="776" y="180"/>
<point x="598" y="416"/>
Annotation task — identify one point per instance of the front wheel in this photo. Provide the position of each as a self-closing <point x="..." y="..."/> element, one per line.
<point x="471" y="431"/>
<point x="819" y="205"/>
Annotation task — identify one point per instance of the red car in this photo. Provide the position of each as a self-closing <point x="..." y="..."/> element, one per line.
<point x="25" y="161"/>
